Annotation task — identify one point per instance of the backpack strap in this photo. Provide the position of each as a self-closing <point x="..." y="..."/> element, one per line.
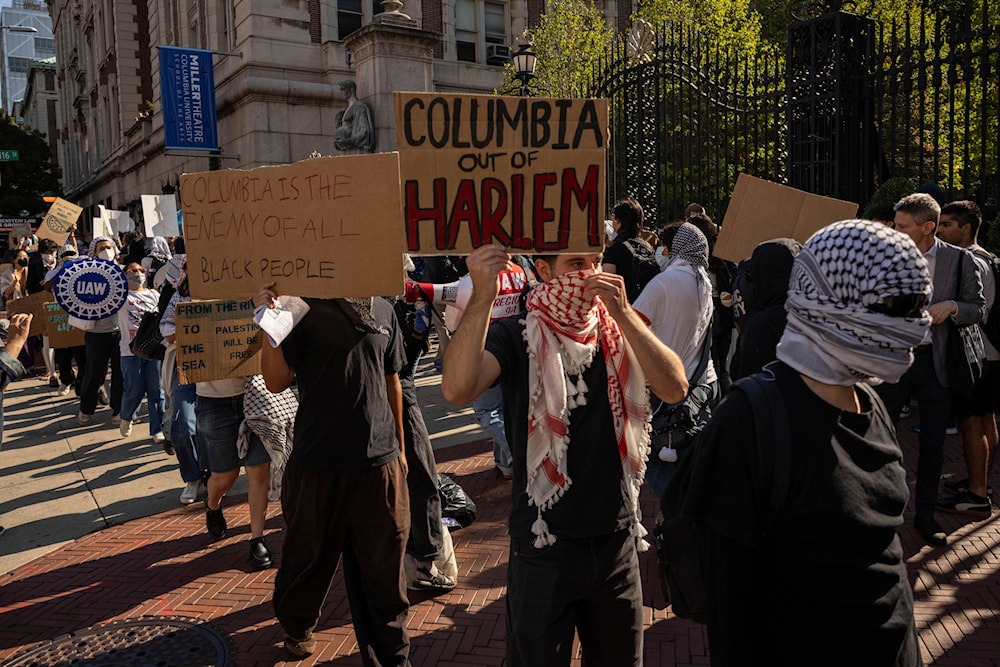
<point x="774" y="440"/>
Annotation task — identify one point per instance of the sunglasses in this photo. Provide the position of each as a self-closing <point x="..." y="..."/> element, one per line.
<point x="900" y="305"/>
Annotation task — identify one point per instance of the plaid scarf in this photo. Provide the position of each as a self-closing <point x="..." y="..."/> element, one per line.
<point x="563" y="332"/>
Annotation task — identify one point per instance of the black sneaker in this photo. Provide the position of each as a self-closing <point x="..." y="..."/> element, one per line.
<point x="961" y="486"/>
<point x="932" y="532"/>
<point x="215" y="522"/>
<point x="260" y="555"/>
<point x="966" y="503"/>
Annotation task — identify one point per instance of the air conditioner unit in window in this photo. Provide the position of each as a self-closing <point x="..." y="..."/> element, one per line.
<point x="497" y="54"/>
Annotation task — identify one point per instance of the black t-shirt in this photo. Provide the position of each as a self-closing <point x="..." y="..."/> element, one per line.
<point x="596" y="502"/>
<point x="827" y="585"/>
<point x="344" y="420"/>
<point x="619" y="254"/>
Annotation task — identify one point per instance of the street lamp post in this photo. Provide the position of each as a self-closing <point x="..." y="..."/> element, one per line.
<point x="3" y="56"/>
<point x="524" y="66"/>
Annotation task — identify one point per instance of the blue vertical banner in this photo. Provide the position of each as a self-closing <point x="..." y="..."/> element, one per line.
<point x="187" y="88"/>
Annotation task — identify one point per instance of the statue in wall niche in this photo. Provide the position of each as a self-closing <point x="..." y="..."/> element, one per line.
<point x="356" y="133"/>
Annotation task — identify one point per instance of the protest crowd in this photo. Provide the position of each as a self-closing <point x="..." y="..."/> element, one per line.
<point x="759" y="401"/>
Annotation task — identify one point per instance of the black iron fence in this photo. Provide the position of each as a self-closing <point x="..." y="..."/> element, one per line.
<point x="849" y="104"/>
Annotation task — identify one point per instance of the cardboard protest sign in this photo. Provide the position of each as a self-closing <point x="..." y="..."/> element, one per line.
<point x="159" y="215"/>
<point x="103" y="227"/>
<point x="326" y="227"/>
<point x="60" y="332"/>
<point x="21" y="230"/>
<point x="760" y="211"/>
<point x="528" y="173"/>
<point x="61" y="216"/>
<point x="91" y="288"/>
<point x="216" y="340"/>
<point x="34" y="304"/>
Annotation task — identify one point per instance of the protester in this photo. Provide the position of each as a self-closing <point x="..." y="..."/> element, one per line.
<point x="14" y="281"/>
<point x="821" y="581"/>
<point x="39" y="263"/>
<point x="573" y="373"/>
<point x="103" y="348"/>
<point x="159" y="254"/>
<point x="140" y="376"/>
<point x="13" y="333"/>
<point x="627" y="218"/>
<point x="219" y="415"/>
<point x="767" y="275"/>
<point x="345" y="483"/>
<point x="192" y="459"/>
<point x="66" y="356"/>
<point x="677" y="305"/>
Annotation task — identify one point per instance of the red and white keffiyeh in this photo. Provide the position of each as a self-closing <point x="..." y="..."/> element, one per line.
<point x="563" y="330"/>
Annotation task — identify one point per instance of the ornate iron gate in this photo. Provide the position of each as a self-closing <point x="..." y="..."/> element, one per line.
<point x="687" y="118"/>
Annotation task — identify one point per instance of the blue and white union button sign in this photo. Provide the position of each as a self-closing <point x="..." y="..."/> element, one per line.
<point x="91" y="289"/>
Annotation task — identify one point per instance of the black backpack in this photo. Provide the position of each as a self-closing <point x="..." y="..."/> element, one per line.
<point x="679" y="536"/>
<point x="644" y="267"/>
<point x="991" y="325"/>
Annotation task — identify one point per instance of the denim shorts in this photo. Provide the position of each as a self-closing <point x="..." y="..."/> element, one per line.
<point x="218" y="426"/>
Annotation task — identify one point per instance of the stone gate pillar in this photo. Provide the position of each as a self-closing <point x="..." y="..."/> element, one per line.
<point x="391" y="54"/>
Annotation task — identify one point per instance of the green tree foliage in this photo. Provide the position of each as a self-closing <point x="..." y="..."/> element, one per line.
<point x="570" y="38"/>
<point x="730" y="24"/>
<point x="23" y="182"/>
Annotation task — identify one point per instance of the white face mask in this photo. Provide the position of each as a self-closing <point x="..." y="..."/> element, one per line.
<point x="49" y="260"/>
<point x="107" y="254"/>
<point x="662" y="259"/>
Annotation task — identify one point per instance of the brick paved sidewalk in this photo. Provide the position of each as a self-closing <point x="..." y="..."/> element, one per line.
<point x="167" y="565"/>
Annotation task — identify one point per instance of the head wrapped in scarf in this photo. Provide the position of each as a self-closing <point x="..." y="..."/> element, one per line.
<point x="160" y="249"/>
<point x="856" y="305"/>
<point x="97" y="239"/>
<point x="689" y="245"/>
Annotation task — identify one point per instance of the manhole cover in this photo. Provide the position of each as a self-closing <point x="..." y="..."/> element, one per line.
<point x="147" y="641"/>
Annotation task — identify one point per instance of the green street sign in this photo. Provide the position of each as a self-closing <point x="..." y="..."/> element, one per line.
<point x="9" y="156"/>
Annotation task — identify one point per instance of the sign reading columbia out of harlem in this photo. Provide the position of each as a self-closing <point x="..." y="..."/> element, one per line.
<point x="187" y="88"/>
<point x="528" y="173"/>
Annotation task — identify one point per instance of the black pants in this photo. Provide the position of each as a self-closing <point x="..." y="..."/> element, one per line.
<point x="591" y="584"/>
<point x="102" y="349"/>
<point x="363" y="515"/>
<point x="934" y="403"/>
<point x="65" y="356"/>
<point x="425" y="501"/>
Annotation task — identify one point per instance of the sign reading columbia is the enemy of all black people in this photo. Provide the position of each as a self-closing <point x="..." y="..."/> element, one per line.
<point x="324" y="227"/>
<point x="528" y="173"/>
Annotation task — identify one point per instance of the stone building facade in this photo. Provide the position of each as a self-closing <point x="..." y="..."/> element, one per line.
<point x="277" y="70"/>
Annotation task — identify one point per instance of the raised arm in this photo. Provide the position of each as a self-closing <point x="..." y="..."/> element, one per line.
<point x="278" y="375"/>
<point x="661" y="365"/>
<point x="469" y="369"/>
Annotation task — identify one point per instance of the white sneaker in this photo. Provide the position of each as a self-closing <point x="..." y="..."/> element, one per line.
<point x="125" y="428"/>
<point x="63" y="390"/>
<point x="190" y="492"/>
<point x="83" y="420"/>
<point x="159" y="437"/>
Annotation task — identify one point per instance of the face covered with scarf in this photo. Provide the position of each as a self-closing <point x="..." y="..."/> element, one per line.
<point x="564" y="328"/>
<point x="856" y="305"/>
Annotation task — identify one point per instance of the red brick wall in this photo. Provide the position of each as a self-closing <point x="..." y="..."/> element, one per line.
<point x="315" y="35"/>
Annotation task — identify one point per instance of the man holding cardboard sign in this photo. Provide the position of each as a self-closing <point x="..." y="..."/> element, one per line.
<point x="344" y="490"/>
<point x="578" y="409"/>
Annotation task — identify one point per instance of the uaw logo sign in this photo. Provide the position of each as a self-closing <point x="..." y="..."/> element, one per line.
<point x="91" y="289"/>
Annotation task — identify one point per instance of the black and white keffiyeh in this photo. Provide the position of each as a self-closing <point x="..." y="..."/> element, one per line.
<point x="690" y="245"/>
<point x="832" y="335"/>
<point x="271" y="417"/>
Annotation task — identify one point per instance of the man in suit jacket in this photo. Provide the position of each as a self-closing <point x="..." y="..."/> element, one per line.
<point x="957" y="299"/>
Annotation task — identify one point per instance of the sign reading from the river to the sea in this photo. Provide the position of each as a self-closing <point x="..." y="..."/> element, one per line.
<point x="528" y="173"/>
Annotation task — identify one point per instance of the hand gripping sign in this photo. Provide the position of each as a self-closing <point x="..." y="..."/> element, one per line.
<point x="91" y="289"/>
